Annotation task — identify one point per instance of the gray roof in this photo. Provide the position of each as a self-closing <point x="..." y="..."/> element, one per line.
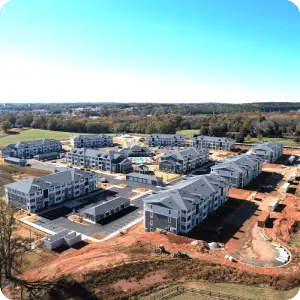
<point x="34" y="142"/>
<point x="112" y="155"/>
<point x="135" y="149"/>
<point x="63" y="175"/>
<point x="185" y="154"/>
<point x="145" y="176"/>
<point x="105" y="206"/>
<point x="213" y="138"/>
<point x="238" y="163"/>
<point x="14" y="159"/>
<point x="267" y="146"/>
<point x="144" y="168"/>
<point x="187" y="192"/>
<point x="163" y="135"/>
<point x="46" y="155"/>
<point x="91" y="136"/>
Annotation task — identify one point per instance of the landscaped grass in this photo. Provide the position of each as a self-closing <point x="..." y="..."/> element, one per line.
<point x="34" y="134"/>
<point x="188" y="133"/>
<point x="284" y="141"/>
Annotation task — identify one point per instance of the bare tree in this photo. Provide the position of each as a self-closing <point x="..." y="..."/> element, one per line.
<point x="12" y="247"/>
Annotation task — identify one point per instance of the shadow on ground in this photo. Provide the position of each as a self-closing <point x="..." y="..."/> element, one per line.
<point x="221" y="225"/>
<point x="266" y="182"/>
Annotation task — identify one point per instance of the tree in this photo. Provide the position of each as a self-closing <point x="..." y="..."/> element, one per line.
<point x="5" y="126"/>
<point x="260" y="137"/>
<point x="297" y="139"/>
<point x="11" y="247"/>
<point x="248" y="138"/>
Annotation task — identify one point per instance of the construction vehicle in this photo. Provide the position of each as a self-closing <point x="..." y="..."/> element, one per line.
<point x="160" y="249"/>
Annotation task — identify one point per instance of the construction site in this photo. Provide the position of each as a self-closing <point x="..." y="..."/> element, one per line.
<point x="253" y="239"/>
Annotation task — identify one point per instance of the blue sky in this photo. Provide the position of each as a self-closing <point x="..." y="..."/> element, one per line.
<point x="158" y="50"/>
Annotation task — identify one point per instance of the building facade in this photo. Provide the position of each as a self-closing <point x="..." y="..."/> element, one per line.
<point x="267" y="151"/>
<point x="184" y="205"/>
<point x="105" y="209"/>
<point x="239" y="170"/>
<point x="212" y="142"/>
<point x="144" y="179"/>
<point x="183" y="161"/>
<point x="32" y="148"/>
<point x="35" y="194"/>
<point x="111" y="161"/>
<point x="165" y="140"/>
<point x="47" y="156"/>
<point x="91" y="141"/>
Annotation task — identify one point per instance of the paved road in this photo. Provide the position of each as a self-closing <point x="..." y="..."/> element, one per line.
<point x="57" y="219"/>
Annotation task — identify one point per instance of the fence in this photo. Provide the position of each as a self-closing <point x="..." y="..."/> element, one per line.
<point x="174" y="291"/>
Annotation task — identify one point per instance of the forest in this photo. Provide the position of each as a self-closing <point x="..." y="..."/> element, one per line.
<point x="239" y="125"/>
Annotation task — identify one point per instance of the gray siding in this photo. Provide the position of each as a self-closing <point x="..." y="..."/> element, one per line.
<point x="159" y="221"/>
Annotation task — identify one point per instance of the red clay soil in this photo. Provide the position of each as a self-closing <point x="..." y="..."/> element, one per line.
<point x="97" y="256"/>
<point x="284" y="220"/>
<point x="132" y="283"/>
<point x="291" y="151"/>
<point x="273" y="166"/>
<point x="239" y="194"/>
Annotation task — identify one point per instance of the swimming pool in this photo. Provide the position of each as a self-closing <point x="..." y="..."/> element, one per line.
<point x="141" y="160"/>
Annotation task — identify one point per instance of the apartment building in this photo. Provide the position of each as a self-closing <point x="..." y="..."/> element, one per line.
<point x="212" y="142"/>
<point x="184" y="205"/>
<point x="31" y="148"/>
<point x="91" y="141"/>
<point x="35" y="194"/>
<point x="165" y="140"/>
<point x="183" y="161"/>
<point x="137" y="151"/>
<point x="111" y="161"/>
<point x="267" y="151"/>
<point x="239" y="170"/>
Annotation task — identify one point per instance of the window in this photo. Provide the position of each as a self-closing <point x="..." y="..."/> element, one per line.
<point x="151" y="215"/>
<point x="169" y="211"/>
<point x="169" y="220"/>
<point x="151" y="222"/>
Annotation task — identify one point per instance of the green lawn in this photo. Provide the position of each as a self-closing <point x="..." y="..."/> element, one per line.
<point x="189" y="132"/>
<point x="284" y="141"/>
<point x="34" y="134"/>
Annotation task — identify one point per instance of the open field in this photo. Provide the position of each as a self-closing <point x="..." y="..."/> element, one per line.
<point x="284" y="141"/>
<point x="189" y="132"/>
<point x="34" y="134"/>
<point x="8" y="173"/>
<point x="233" y="290"/>
<point x="244" y="291"/>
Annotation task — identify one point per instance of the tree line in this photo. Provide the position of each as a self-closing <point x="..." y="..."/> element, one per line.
<point x="234" y="125"/>
<point x="111" y="109"/>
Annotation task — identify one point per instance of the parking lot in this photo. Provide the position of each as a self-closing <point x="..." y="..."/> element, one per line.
<point x="57" y="218"/>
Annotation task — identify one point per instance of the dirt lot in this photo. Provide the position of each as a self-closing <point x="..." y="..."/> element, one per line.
<point x="220" y="154"/>
<point x="234" y="224"/>
<point x="166" y="177"/>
